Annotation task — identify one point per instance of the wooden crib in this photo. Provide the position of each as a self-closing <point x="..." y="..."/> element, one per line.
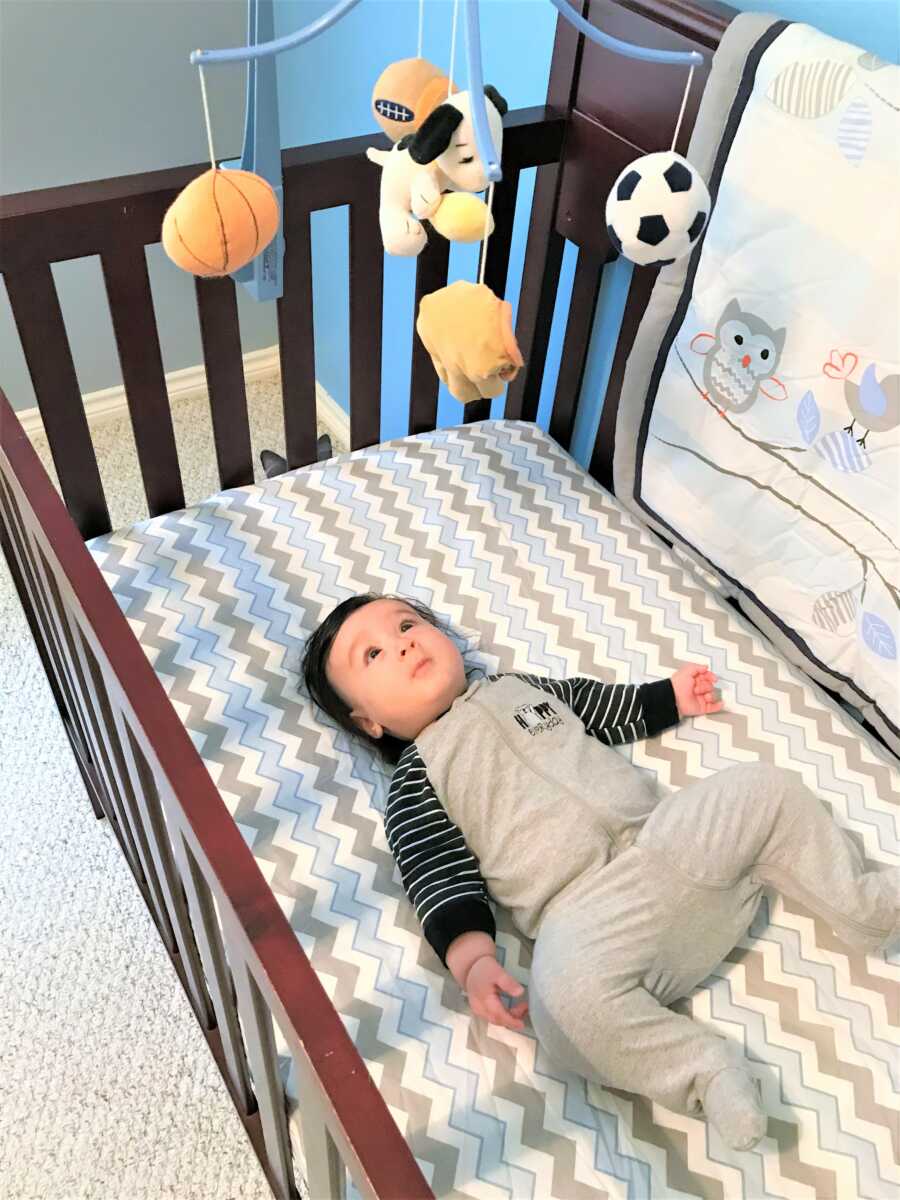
<point x="139" y="765"/>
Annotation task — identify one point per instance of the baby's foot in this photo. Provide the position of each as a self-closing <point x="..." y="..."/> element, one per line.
<point x="732" y="1103"/>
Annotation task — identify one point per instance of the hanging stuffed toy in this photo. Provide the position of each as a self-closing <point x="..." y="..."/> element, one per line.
<point x="223" y="219"/>
<point x="220" y="222"/>
<point x="441" y="156"/>
<point x="469" y="334"/>
<point x="657" y="209"/>
<point x="659" y="205"/>
<point x="406" y="94"/>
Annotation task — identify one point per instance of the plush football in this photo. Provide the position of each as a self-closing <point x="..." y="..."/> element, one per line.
<point x="657" y="209"/>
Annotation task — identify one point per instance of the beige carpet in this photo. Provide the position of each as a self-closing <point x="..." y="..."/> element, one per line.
<point x="107" y="1088"/>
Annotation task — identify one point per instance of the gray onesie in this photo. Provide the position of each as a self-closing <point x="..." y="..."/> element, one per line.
<point x="632" y="901"/>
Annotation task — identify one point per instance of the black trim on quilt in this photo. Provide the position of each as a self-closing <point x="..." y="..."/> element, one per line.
<point x="745" y="89"/>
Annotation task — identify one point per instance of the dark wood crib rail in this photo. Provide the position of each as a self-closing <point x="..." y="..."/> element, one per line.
<point x="237" y="957"/>
<point x="239" y="961"/>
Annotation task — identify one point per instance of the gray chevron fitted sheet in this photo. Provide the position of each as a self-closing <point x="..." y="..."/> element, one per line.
<point x="496" y="527"/>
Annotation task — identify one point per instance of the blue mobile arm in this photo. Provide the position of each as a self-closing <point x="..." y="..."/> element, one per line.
<point x="262" y="142"/>
<point x="261" y="154"/>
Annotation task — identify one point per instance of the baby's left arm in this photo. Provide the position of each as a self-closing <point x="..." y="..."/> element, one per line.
<point x="695" y="691"/>
<point x="615" y="713"/>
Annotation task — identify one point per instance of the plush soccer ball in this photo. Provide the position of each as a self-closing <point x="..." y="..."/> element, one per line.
<point x="657" y="209"/>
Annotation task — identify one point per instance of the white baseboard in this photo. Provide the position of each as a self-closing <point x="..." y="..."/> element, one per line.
<point x="190" y="382"/>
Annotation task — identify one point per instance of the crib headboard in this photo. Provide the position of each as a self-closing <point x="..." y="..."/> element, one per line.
<point x="621" y="108"/>
<point x="601" y="111"/>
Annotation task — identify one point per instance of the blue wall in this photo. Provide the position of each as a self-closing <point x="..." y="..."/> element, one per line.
<point x="324" y="92"/>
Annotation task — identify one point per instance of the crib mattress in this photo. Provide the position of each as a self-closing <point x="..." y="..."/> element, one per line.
<point x="497" y="527"/>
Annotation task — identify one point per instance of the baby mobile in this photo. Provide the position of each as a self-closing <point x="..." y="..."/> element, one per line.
<point x="447" y="148"/>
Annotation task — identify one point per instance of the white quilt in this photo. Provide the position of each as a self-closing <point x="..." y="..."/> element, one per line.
<point x="773" y="444"/>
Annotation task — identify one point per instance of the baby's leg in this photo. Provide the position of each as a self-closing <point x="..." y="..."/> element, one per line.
<point x="611" y="950"/>
<point x="632" y="1042"/>
<point x="760" y="822"/>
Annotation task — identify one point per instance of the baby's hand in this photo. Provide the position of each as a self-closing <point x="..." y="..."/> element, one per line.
<point x="695" y="693"/>
<point x="484" y="983"/>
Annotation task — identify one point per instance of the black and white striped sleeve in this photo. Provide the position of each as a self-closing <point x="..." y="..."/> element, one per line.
<point x="615" y="713"/>
<point x="439" y="872"/>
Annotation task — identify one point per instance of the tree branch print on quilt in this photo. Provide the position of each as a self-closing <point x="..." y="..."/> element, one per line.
<point x="871" y="401"/>
<point x="809" y="420"/>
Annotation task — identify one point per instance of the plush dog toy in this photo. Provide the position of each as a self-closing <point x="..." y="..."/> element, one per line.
<point x="468" y="332"/>
<point x="440" y="156"/>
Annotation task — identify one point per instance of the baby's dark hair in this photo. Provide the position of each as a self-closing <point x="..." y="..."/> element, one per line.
<point x="315" y="659"/>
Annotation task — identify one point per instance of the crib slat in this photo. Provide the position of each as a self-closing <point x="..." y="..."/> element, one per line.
<point x="42" y="332"/>
<point x="257" y="1025"/>
<point x="642" y="282"/>
<point x="537" y="297"/>
<point x="134" y="325"/>
<point x="296" y="339"/>
<point x="324" y="1171"/>
<point x="366" y="308"/>
<point x="496" y="268"/>
<point x="499" y="243"/>
<point x="583" y="306"/>
<point x="17" y="570"/>
<point x="144" y="870"/>
<point x="112" y="732"/>
<point x="221" y="337"/>
<point x="476" y="410"/>
<point x="544" y="248"/>
<point x="431" y="275"/>
<point x="103" y="747"/>
<point x="39" y="604"/>
<point x="218" y="977"/>
<point x="156" y="830"/>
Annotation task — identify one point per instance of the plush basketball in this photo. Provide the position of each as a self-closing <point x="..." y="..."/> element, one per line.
<point x="657" y="209"/>
<point x="220" y="221"/>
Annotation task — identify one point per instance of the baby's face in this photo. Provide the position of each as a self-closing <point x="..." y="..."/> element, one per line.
<point x="397" y="672"/>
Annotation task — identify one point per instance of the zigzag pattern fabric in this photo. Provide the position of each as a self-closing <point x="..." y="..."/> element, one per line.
<point x="497" y="528"/>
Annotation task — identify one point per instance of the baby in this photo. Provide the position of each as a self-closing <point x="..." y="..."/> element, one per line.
<point x="506" y="788"/>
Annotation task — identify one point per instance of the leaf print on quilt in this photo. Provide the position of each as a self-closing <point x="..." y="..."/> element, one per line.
<point x="878" y="636"/>
<point x="855" y="131"/>
<point x="871" y="62"/>
<point x="811" y="90"/>
<point x="843" y="452"/>
<point x="808" y="418"/>
<point x="834" y="609"/>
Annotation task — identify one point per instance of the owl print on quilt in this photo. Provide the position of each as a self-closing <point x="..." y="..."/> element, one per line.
<point x="770" y="441"/>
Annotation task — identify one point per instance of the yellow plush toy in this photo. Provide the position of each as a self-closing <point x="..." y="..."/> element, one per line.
<point x="220" y="221"/>
<point x="462" y="217"/>
<point x="468" y="332"/>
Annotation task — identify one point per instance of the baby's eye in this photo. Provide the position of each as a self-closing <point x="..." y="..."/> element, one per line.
<point x="404" y="625"/>
<point x="372" y="653"/>
<point x="465" y="161"/>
